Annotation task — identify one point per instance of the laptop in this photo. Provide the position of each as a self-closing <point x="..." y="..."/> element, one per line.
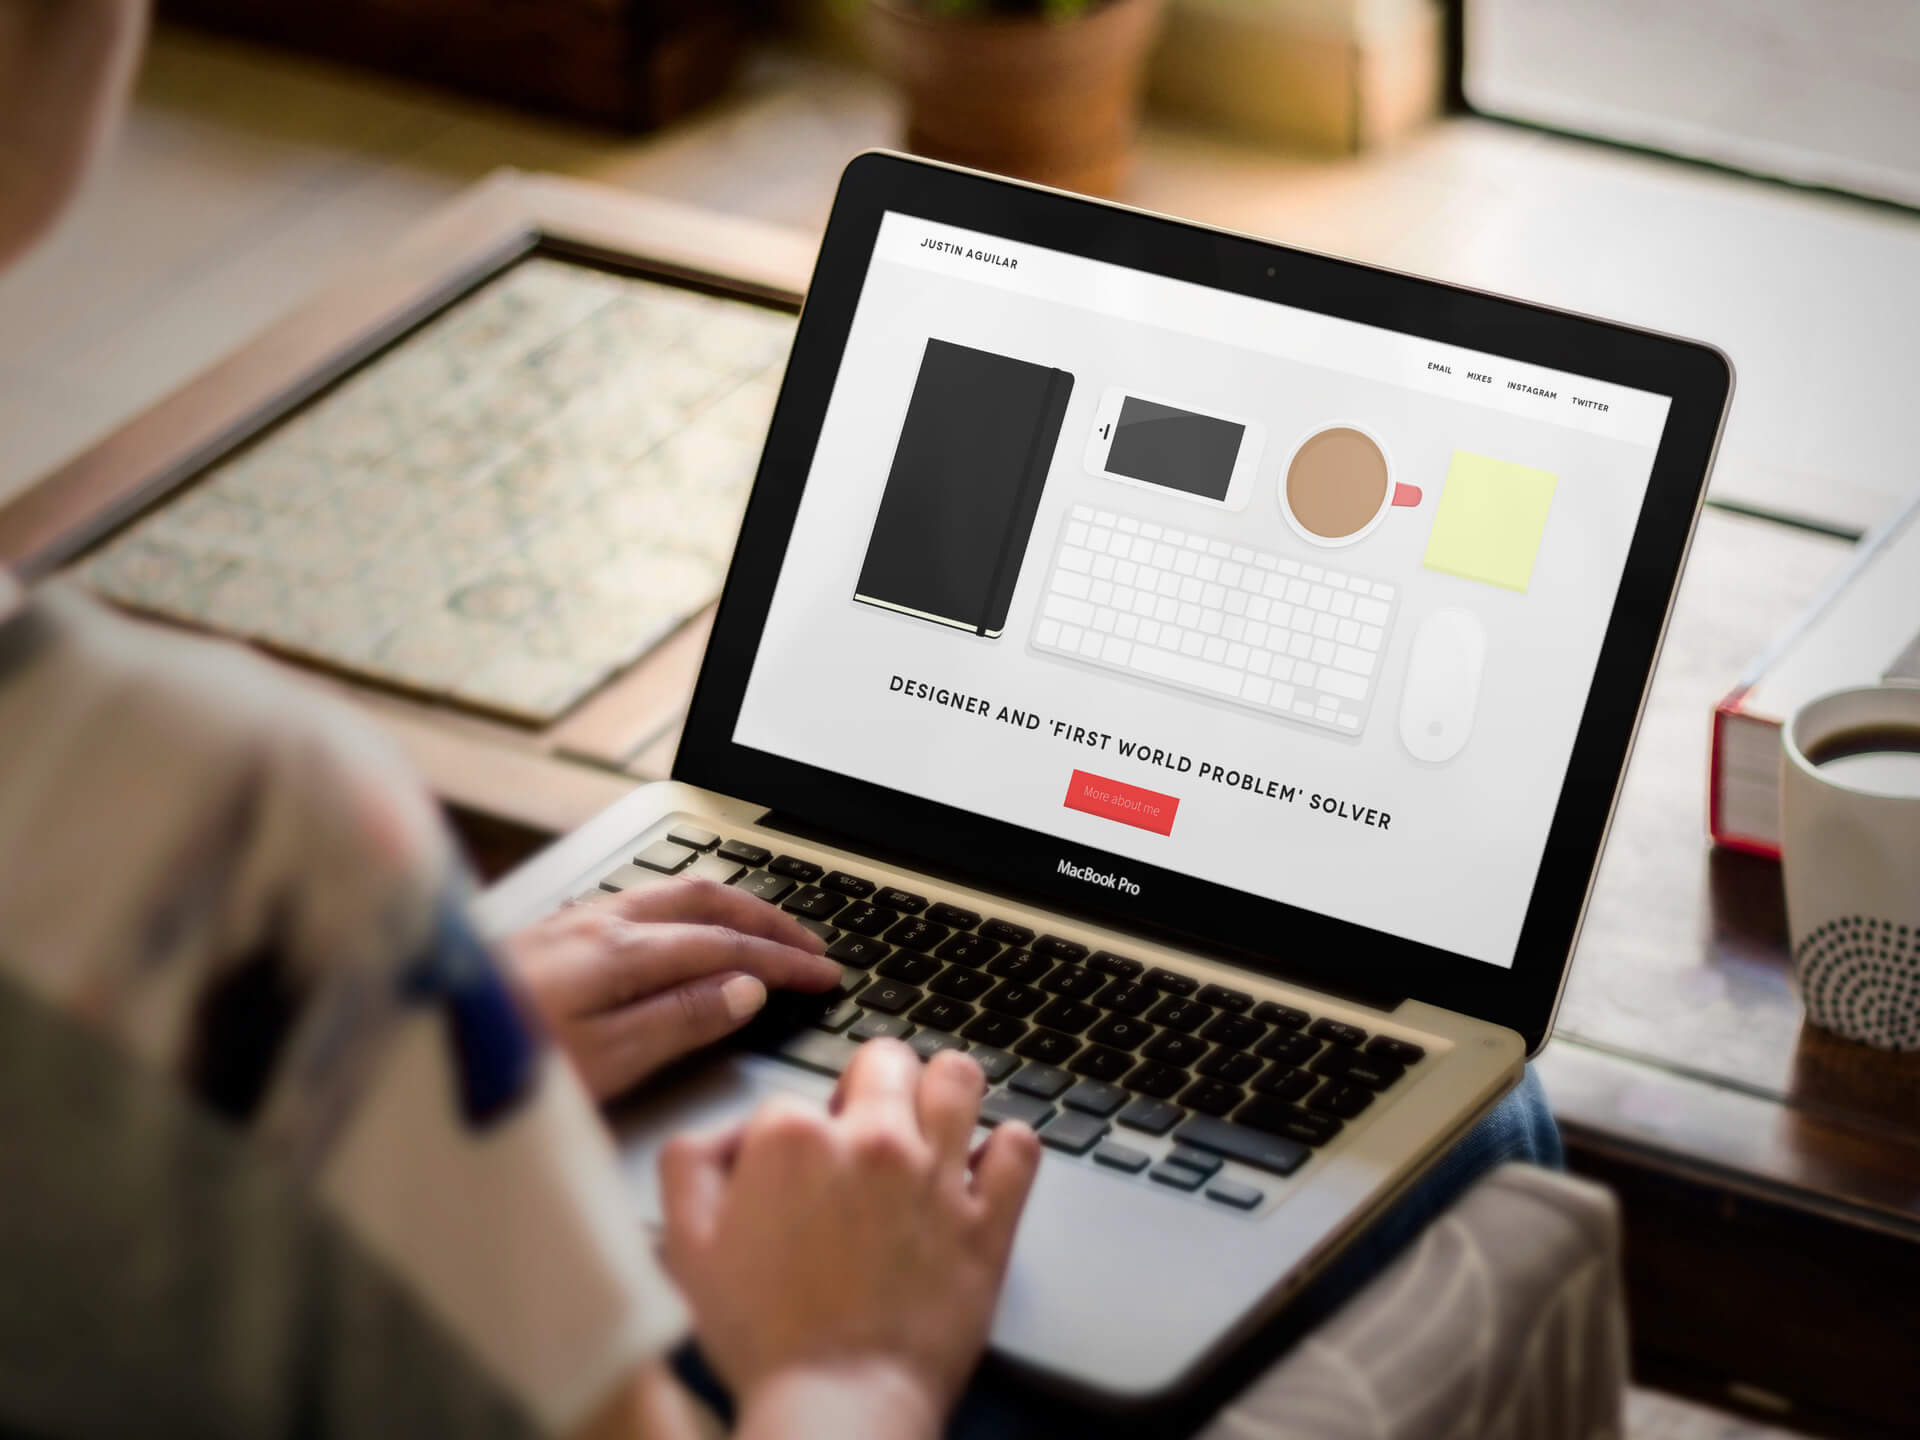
<point x="1191" y="675"/>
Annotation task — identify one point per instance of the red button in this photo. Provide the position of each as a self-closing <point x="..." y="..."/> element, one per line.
<point x="1129" y="804"/>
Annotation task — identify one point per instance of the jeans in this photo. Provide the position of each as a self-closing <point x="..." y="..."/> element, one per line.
<point x="1520" y="1127"/>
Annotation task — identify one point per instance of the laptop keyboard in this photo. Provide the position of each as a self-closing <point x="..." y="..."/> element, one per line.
<point x="1278" y="636"/>
<point x="1087" y="1046"/>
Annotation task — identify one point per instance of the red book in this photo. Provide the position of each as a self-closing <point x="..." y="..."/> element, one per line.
<point x="1864" y="628"/>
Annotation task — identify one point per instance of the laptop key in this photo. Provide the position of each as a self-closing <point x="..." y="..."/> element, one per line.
<point x="1097" y="1062"/>
<point x="1276" y="1117"/>
<point x="1073" y="982"/>
<point x="743" y="852"/>
<point x="1401" y="1052"/>
<point x="1156" y="1117"/>
<point x="996" y="1030"/>
<point x="766" y="885"/>
<point x="851" y="886"/>
<point x="941" y="1013"/>
<point x="863" y="918"/>
<point x="1122" y="1157"/>
<point x="916" y="934"/>
<point x="631" y="877"/>
<point x="1073" y="1132"/>
<point x="1012" y="998"/>
<point x="666" y="857"/>
<point x="1236" y="1067"/>
<point x="1236" y="1032"/>
<point x="952" y="916"/>
<point x="858" y="950"/>
<point x="1351" y="1066"/>
<point x="1172" y="983"/>
<point x="693" y="837"/>
<point x="960" y="983"/>
<point x="1121" y="1033"/>
<point x="1335" y="1098"/>
<point x="1119" y="966"/>
<point x="1045" y="1081"/>
<point x="1271" y="1012"/>
<point x="1047" y="1045"/>
<point x="908" y="966"/>
<point x="813" y="903"/>
<point x="904" y="902"/>
<point x="994" y="1063"/>
<point x="712" y="867"/>
<point x="1162" y="1082"/>
<point x="1069" y="1016"/>
<point x="805" y="871"/>
<point x="1205" y="1161"/>
<point x="1212" y="1097"/>
<point x="1284" y="1083"/>
<point x="818" y="927"/>
<point x="875" y="1026"/>
<point x="1096" y="1097"/>
<point x="1058" y="947"/>
<point x="1288" y="1047"/>
<point x="817" y="1050"/>
<point x="929" y="1043"/>
<point x="1336" y="1032"/>
<point x="969" y="950"/>
<point x="838" y="1018"/>
<point x="1005" y="932"/>
<point x="1175" y="1048"/>
<point x="1022" y="965"/>
<point x="1274" y="1153"/>
<point x="1180" y="1177"/>
<point x="1178" y="1014"/>
<point x="1126" y="997"/>
<point x="1221" y="998"/>
<point x="893" y="997"/>
<point x="1232" y="1192"/>
<point x="1004" y="1105"/>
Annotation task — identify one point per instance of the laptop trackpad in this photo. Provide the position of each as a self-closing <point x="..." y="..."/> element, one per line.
<point x="710" y="1096"/>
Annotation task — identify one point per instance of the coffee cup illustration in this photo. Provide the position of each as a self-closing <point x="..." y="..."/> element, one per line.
<point x="1339" y="487"/>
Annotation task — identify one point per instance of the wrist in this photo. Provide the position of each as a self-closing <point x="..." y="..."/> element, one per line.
<point x="870" y="1398"/>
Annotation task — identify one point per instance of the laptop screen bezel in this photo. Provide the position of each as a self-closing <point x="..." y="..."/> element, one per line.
<point x="1264" y="935"/>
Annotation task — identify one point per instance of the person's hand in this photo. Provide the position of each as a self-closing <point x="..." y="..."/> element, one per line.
<point x="845" y="1267"/>
<point x="632" y="982"/>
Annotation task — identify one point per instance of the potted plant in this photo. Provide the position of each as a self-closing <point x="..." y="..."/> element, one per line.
<point x="1047" y="90"/>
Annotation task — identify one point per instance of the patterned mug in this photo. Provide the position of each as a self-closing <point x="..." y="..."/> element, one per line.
<point x="1850" y="849"/>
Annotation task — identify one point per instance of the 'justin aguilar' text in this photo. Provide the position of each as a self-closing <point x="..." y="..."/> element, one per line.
<point x="1232" y="777"/>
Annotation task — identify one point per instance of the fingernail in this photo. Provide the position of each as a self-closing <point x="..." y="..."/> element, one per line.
<point x="743" y="995"/>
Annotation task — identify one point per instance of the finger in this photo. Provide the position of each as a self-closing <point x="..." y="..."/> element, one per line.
<point x="878" y="1087"/>
<point x="693" y="1182"/>
<point x="633" y="1042"/>
<point x="699" y="901"/>
<point x="1003" y="1178"/>
<point x="949" y="1105"/>
<point x="648" y="959"/>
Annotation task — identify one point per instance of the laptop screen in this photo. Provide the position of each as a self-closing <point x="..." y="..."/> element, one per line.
<point x="1298" y="606"/>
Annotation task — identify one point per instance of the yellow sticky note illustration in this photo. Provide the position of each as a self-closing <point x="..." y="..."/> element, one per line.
<point x="1491" y="516"/>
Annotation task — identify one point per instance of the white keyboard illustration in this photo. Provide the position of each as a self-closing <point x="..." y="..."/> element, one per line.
<point x="1276" y="635"/>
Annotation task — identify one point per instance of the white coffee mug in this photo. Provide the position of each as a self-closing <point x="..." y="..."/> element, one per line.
<point x="1850" y="850"/>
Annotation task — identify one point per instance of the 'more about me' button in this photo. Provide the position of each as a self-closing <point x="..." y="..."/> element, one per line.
<point x="1133" y="805"/>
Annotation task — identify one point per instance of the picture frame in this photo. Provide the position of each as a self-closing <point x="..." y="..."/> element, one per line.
<point x="535" y="778"/>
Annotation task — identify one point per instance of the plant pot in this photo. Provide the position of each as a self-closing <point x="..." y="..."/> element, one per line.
<point x="1055" y="101"/>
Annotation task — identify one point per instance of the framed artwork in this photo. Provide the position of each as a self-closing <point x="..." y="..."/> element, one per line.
<point x="489" y="486"/>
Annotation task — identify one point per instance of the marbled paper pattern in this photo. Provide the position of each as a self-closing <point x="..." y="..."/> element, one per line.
<point x="519" y="499"/>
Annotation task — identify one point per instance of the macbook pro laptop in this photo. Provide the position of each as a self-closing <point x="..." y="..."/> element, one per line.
<point x="1192" y="675"/>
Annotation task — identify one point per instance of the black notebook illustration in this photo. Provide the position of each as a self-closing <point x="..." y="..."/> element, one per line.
<point x="964" y="488"/>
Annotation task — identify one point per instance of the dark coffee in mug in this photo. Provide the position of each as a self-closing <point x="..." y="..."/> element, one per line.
<point x="1879" y="759"/>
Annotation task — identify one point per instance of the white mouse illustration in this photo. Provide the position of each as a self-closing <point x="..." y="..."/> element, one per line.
<point x="1442" y="685"/>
